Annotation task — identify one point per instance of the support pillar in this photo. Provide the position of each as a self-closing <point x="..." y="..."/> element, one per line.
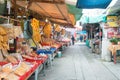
<point x="105" y="43"/>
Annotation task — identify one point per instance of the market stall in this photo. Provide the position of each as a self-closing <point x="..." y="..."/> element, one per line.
<point x="32" y="37"/>
<point x="114" y="49"/>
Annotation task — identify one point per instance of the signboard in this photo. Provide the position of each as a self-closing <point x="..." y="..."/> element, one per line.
<point x="112" y="21"/>
<point x="111" y="32"/>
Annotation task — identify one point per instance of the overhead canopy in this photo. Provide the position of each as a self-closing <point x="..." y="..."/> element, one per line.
<point x="55" y="10"/>
<point x="89" y="4"/>
<point x="93" y="19"/>
<point x="75" y="11"/>
<point x="115" y="9"/>
<point x="82" y="32"/>
<point x="72" y="2"/>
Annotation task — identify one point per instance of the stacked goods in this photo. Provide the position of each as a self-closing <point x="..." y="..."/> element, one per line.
<point x="63" y="32"/>
<point x="5" y="71"/>
<point x="72" y="18"/>
<point x="14" y="32"/>
<point x="9" y="59"/>
<point x="47" y="30"/>
<point x="36" y="30"/>
<point x="12" y="59"/>
<point x="10" y="32"/>
<point x="42" y="23"/>
<point x="3" y="75"/>
<point x="22" y="69"/>
<point x="12" y="76"/>
<point x="17" y="31"/>
<point x="27" y="57"/>
<point x="57" y="28"/>
<point x="3" y="38"/>
<point x="10" y="72"/>
<point x="33" y="54"/>
<point x="7" y="68"/>
<point x="48" y="41"/>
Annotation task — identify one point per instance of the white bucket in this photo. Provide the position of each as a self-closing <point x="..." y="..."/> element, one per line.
<point x="59" y="54"/>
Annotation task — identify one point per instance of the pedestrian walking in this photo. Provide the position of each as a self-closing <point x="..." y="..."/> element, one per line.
<point x="73" y="39"/>
<point x="81" y="38"/>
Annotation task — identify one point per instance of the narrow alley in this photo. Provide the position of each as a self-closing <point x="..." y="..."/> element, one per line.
<point x="78" y="63"/>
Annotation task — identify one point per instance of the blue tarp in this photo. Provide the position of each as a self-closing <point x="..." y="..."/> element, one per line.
<point x="81" y="32"/>
<point x="49" y="51"/>
<point x="90" y="4"/>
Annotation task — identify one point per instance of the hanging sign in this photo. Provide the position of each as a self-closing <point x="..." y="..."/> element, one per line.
<point x="112" y="21"/>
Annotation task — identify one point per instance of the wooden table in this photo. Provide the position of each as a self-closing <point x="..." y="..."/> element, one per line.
<point x="113" y="49"/>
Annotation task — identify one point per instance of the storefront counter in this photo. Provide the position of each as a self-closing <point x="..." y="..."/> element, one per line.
<point x="114" y="49"/>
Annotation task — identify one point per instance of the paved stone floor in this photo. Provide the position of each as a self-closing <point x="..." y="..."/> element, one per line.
<point x="78" y="63"/>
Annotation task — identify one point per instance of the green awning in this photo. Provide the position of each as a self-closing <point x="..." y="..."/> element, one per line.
<point x="75" y="11"/>
<point x="2" y="11"/>
<point x="93" y="19"/>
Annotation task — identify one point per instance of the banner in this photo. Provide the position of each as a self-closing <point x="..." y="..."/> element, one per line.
<point x="112" y="21"/>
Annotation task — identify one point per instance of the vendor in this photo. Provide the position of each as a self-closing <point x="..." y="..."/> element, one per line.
<point x="96" y="42"/>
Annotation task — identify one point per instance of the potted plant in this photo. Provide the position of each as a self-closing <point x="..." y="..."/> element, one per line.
<point x="114" y="40"/>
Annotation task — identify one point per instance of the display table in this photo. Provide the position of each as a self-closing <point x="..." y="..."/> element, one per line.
<point x="65" y="42"/>
<point x="49" y="52"/>
<point x="31" y="71"/>
<point x="35" y="69"/>
<point x="35" y="66"/>
<point x="113" y="49"/>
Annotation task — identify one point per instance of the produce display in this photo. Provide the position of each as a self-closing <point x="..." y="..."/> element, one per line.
<point x="21" y="69"/>
<point x="13" y="32"/>
<point x="47" y="30"/>
<point x="47" y="41"/>
<point x="12" y="59"/>
<point x="63" y="32"/>
<point x="36" y="30"/>
<point x="12" y="76"/>
<point x="7" y="68"/>
<point x="27" y="57"/>
<point x="57" y="28"/>
<point x="11" y="72"/>
<point x="22" y="63"/>
<point x="42" y="23"/>
<point x="3" y="38"/>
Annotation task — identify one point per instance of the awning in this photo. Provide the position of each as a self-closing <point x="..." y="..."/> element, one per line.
<point x="55" y="11"/>
<point x="93" y="19"/>
<point x="82" y="32"/>
<point x="89" y="4"/>
<point x="75" y="11"/>
<point x="115" y="9"/>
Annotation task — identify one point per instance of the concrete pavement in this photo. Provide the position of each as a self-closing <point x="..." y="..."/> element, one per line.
<point x="78" y="63"/>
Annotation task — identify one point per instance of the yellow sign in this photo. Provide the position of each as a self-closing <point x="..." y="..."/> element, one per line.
<point x="112" y="21"/>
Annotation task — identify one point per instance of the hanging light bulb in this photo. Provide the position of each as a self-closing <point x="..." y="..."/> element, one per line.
<point x="46" y="20"/>
<point x="54" y="24"/>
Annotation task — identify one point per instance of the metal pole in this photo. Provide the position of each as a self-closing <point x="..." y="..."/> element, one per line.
<point x="8" y="6"/>
<point x="91" y="32"/>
